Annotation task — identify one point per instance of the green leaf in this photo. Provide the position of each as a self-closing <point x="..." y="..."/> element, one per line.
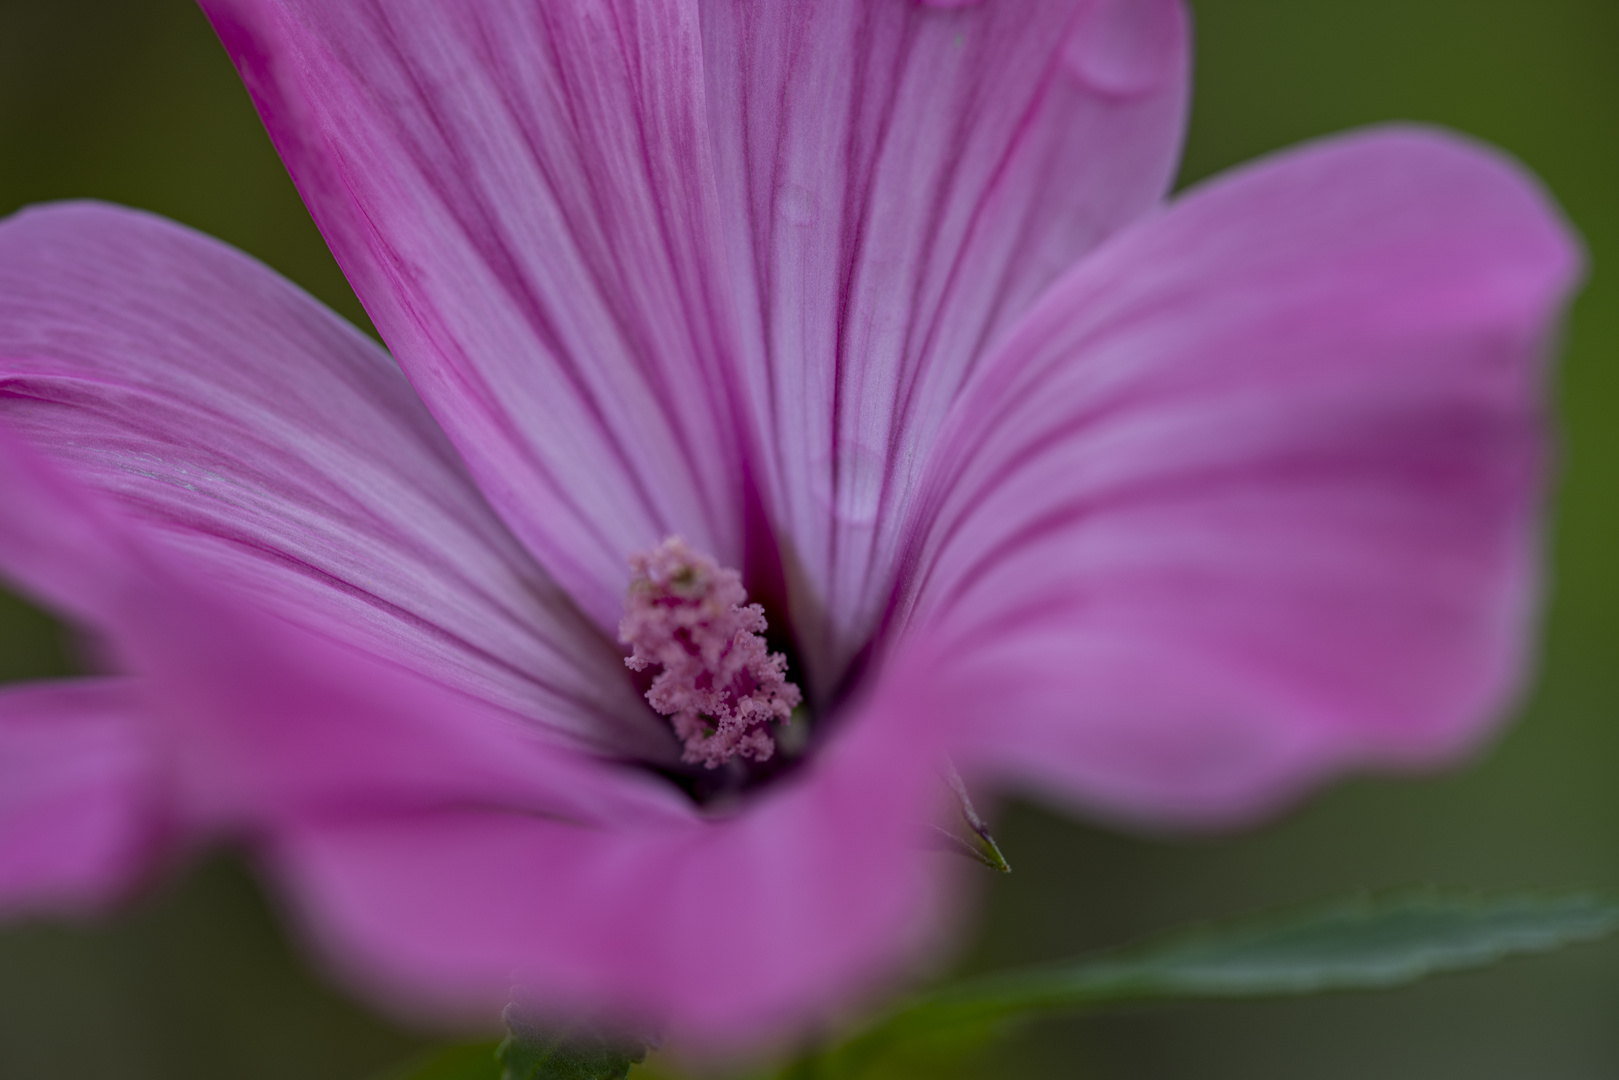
<point x="1363" y="943"/>
<point x="532" y="1052"/>
<point x="474" y="1061"/>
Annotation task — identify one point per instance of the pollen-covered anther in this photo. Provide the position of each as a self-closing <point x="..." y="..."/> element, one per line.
<point x="719" y="684"/>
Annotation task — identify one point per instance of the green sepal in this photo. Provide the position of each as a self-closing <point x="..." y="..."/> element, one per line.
<point x="535" y="1052"/>
<point x="977" y="844"/>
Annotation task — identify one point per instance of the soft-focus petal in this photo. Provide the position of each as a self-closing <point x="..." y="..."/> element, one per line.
<point x="55" y="546"/>
<point x="439" y="852"/>
<point x="900" y="180"/>
<point x="261" y="719"/>
<point x="1253" y="495"/>
<point x="81" y="809"/>
<point x="272" y="722"/>
<point x="279" y="451"/>
<point x="723" y="931"/>
<point x="522" y="197"/>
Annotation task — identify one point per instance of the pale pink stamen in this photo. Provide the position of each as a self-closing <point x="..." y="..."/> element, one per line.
<point x="720" y="685"/>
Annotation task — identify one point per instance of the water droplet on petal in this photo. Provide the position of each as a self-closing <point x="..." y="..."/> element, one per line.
<point x="1126" y="48"/>
<point x="797" y="205"/>
<point x="850" y="483"/>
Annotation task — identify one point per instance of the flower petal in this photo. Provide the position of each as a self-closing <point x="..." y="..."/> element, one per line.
<point x="900" y="181"/>
<point x="521" y="195"/>
<point x="80" y="813"/>
<point x="437" y="852"/>
<point x="241" y="424"/>
<point x="725" y="932"/>
<point x="258" y="719"/>
<point x="1253" y="495"/>
<point x="270" y="722"/>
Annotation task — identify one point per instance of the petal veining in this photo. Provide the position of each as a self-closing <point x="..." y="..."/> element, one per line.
<point x="240" y="423"/>
<point x="258" y="719"/>
<point x="521" y="195"/>
<point x="901" y="180"/>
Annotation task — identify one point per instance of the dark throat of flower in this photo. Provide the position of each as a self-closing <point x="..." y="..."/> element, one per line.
<point x="701" y="650"/>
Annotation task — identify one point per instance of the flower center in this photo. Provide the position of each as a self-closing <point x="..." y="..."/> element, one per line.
<point x="719" y="684"/>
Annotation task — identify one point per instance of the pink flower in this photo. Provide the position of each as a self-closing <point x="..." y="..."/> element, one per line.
<point x="1169" y="511"/>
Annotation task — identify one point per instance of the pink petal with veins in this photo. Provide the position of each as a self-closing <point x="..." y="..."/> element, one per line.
<point x="1168" y="511"/>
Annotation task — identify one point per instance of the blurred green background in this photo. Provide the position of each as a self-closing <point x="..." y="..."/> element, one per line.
<point x="133" y="101"/>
